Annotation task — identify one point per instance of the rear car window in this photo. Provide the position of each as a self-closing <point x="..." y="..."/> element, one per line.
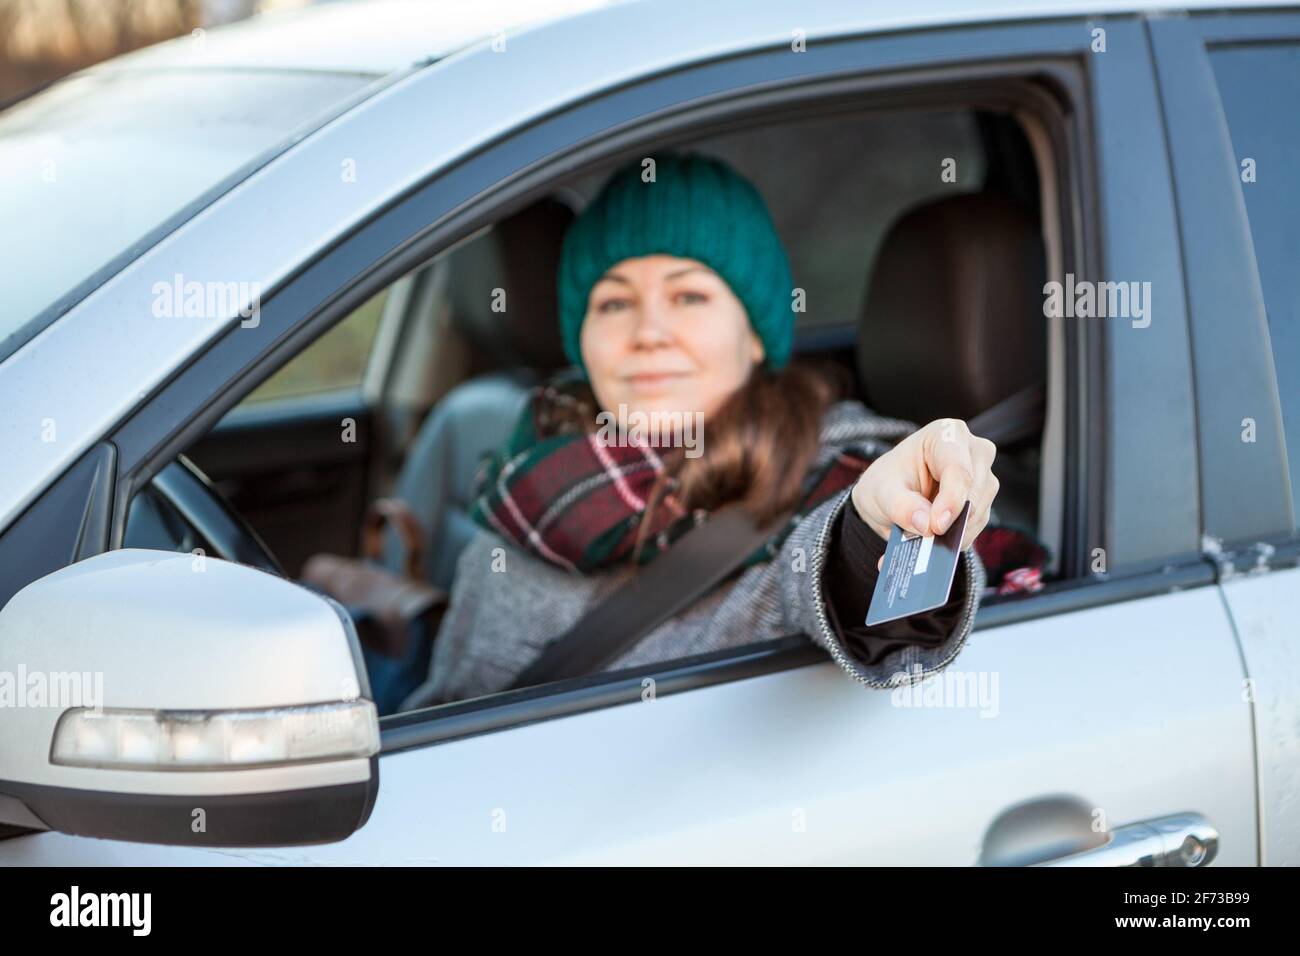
<point x="1259" y="87"/>
<point x="92" y="166"/>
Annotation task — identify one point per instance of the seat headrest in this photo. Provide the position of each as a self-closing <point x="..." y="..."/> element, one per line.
<point x="953" y="320"/>
<point x="521" y="255"/>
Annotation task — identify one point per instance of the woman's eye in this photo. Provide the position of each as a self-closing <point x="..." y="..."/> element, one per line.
<point x="690" y="298"/>
<point x="611" y="305"/>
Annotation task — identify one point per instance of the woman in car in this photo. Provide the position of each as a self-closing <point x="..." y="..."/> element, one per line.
<point x="675" y="298"/>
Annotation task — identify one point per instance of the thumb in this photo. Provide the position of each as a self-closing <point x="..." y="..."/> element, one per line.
<point x="910" y="510"/>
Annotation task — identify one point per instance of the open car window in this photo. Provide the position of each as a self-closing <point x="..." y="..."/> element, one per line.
<point x="836" y="200"/>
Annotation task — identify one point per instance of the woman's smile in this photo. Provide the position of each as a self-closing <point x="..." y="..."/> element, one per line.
<point x="679" y="337"/>
<point x="653" y="381"/>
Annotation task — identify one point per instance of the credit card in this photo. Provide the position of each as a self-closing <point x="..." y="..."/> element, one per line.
<point x="918" y="572"/>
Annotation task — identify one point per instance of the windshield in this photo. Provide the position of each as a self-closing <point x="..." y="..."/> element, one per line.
<point x="92" y="166"/>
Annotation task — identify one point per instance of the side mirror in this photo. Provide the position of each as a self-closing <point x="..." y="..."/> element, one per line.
<point x="171" y="698"/>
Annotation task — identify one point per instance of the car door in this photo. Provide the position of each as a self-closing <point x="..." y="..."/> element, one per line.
<point x="1109" y="700"/>
<point x="1234" y="156"/>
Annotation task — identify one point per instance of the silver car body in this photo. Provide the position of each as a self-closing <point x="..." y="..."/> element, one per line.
<point x="1136" y="708"/>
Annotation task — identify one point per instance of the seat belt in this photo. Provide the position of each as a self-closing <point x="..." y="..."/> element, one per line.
<point x="1015" y="418"/>
<point x="702" y="558"/>
<point x="697" y="562"/>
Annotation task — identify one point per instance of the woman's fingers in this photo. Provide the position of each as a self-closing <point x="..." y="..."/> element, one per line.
<point x="892" y="490"/>
<point x="883" y="498"/>
<point x="963" y="465"/>
<point x="910" y="510"/>
<point x="983" y="490"/>
<point x="981" y="508"/>
<point x="949" y="459"/>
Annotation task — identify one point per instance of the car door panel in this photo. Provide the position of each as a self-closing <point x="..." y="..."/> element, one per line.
<point x="807" y="766"/>
<point x="1265" y="609"/>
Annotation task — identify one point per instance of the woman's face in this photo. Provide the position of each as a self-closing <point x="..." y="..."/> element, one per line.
<point x="664" y="334"/>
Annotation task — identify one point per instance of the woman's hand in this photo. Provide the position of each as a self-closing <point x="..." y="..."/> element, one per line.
<point x="922" y="482"/>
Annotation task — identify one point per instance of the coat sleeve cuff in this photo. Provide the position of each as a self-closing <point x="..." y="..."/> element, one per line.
<point x="909" y="664"/>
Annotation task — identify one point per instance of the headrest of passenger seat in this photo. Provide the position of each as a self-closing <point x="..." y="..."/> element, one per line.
<point x="953" y="321"/>
<point x="520" y="254"/>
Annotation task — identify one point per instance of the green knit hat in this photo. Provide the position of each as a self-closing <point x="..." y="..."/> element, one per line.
<point x="696" y="208"/>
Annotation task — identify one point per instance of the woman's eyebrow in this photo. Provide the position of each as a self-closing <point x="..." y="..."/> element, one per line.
<point x="615" y="277"/>
<point x="682" y="272"/>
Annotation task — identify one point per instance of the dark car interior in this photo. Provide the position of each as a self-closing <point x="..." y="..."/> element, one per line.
<point x="924" y="287"/>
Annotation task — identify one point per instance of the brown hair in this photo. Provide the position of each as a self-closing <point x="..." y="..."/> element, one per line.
<point x="756" y="449"/>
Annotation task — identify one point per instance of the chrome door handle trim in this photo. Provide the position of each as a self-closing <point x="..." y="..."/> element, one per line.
<point x="1181" y="839"/>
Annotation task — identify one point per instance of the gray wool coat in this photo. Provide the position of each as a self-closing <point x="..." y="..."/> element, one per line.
<point x="507" y="605"/>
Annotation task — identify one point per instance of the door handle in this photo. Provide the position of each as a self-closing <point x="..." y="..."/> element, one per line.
<point x="1181" y="839"/>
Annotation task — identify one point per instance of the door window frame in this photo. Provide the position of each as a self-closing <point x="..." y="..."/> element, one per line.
<point x="687" y="103"/>
<point x="1246" y="487"/>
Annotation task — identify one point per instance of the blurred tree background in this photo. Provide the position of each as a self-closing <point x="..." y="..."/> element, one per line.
<point x="43" y="40"/>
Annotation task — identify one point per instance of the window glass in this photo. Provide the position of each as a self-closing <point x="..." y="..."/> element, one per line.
<point x="336" y="360"/>
<point x="1260" y="87"/>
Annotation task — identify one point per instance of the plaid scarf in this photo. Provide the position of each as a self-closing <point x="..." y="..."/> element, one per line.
<point x="578" y="500"/>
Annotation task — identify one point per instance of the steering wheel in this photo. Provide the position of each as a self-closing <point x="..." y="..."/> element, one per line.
<point x="209" y="518"/>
